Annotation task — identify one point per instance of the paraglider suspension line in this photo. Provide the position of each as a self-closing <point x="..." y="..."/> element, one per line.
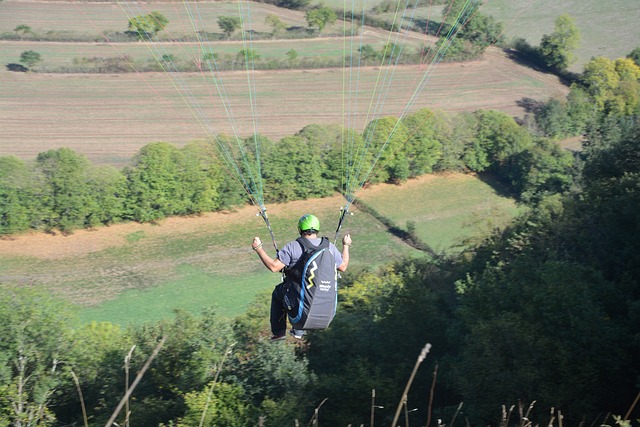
<point x="263" y="214"/>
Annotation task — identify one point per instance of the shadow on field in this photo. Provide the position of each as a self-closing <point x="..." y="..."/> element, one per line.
<point x="497" y="186"/>
<point x="408" y="236"/>
<point x="530" y="105"/>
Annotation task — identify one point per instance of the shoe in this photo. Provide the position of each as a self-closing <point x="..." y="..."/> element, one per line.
<point x="278" y="337"/>
<point x="297" y="333"/>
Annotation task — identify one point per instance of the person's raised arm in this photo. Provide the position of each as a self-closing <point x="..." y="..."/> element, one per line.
<point x="271" y="263"/>
<point x="346" y="242"/>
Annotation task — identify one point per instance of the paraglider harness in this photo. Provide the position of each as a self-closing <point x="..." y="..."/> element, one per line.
<point x="311" y="291"/>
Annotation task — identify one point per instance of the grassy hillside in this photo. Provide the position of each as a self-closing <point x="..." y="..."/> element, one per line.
<point x="139" y="272"/>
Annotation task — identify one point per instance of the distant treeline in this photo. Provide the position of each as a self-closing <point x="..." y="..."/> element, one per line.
<point x="62" y="190"/>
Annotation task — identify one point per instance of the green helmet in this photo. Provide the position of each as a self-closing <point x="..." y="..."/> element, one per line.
<point x="308" y="222"/>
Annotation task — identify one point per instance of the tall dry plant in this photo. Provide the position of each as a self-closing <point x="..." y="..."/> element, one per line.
<point x="85" y="419"/>
<point x="130" y="389"/>
<point x="403" y="400"/>
<point x="215" y="380"/>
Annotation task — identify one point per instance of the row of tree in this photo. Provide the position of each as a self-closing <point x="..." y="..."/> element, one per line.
<point x="63" y="190"/>
<point x="606" y="88"/>
<point x="547" y="311"/>
<point x="473" y="36"/>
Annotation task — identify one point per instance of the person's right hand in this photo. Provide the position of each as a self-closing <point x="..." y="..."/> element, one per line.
<point x="346" y="240"/>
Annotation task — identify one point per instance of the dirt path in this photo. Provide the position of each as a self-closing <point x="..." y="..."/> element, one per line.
<point x="83" y="242"/>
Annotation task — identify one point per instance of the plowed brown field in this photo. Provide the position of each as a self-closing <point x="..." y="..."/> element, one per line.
<point x="109" y="117"/>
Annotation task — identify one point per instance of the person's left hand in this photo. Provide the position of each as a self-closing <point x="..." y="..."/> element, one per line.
<point x="256" y="243"/>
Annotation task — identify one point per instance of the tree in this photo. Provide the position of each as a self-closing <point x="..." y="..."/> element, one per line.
<point x="580" y="109"/>
<point x="35" y="331"/>
<point x="210" y="59"/>
<point x="553" y="119"/>
<point x="456" y="136"/>
<point x="275" y="23"/>
<point x="218" y="405"/>
<point x="474" y="31"/>
<point x="169" y="58"/>
<point x="96" y="358"/>
<point x="628" y="90"/>
<point x="228" y="24"/>
<point x="330" y="141"/>
<point x="482" y="31"/>
<point x="14" y="195"/>
<point x="368" y="52"/>
<point x="292" y="57"/>
<point x="471" y="25"/>
<point x="273" y="373"/>
<point x="22" y="29"/>
<point x="459" y="12"/>
<point x="611" y="178"/>
<point x="390" y="52"/>
<point x="194" y="349"/>
<point x="384" y="161"/>
<point x="635" y="55"/>
<point x="500" y="135"/>
<point x="539" y="171"/>
<point x="248" y="56"/>
<point x="202" y="178"/>
<point x="153" y="182"/>
<point x="159" y="21"/>
<point x="146" y="26"/>
<point x="108" y="187"/>
<point x="423" y="150"/>
<point x="30" y="58"/>
<point x="67" y="201"/>
<point x="321" y="17"/>
<point x="600" y="79"/>
<point x="402" y="305"/>
<point x="557" y="48"/>
<point x="293" y="170"/>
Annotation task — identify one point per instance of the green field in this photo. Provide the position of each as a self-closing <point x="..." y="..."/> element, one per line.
<point x="608" y="28"/>
<point x="133" y="273"/>
<point x="447" y="211"/>
<point x="57" y="55"/>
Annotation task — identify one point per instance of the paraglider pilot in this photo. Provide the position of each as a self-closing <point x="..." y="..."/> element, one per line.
<point x="288" y="260"/>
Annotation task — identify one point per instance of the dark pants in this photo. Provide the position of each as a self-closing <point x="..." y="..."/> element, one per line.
<point x="278" y="314"/>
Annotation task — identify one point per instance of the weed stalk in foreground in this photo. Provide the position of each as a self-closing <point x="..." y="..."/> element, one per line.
<point x="126" y="396"/>
<point x="421" y="357"/>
